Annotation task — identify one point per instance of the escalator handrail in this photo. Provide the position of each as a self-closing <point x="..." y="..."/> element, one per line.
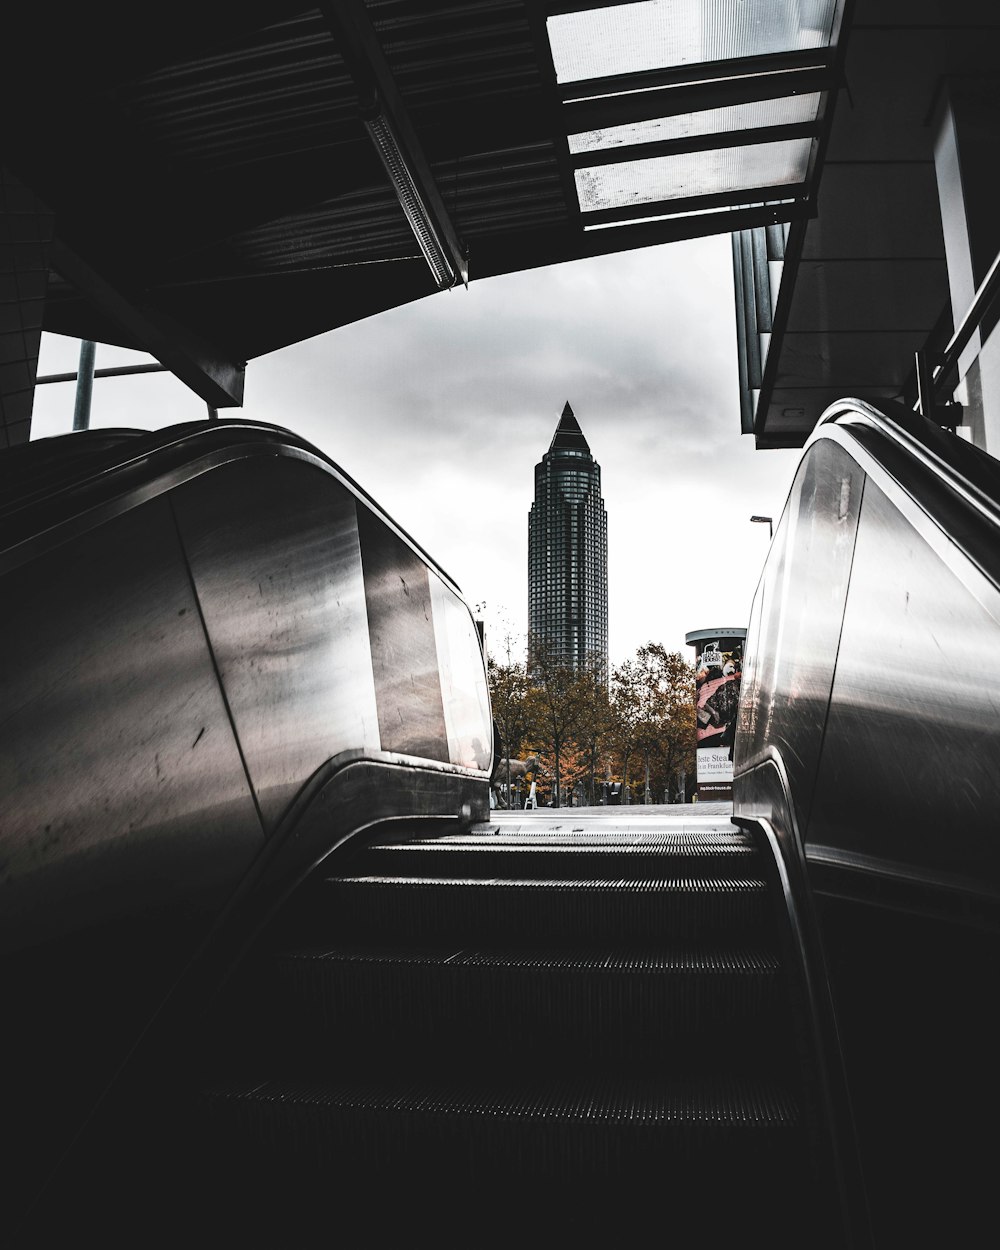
<point x="968" y="472"/>
<point x="131" y="467"/>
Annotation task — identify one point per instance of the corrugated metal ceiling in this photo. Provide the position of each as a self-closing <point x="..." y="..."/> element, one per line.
<point x="223" y="174"/>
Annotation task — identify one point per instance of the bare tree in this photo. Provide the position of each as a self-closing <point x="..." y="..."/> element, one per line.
<point x="666" y="734"/>
<point x="653" y="714"/>
<point x="555" y="701"/>
<point x="595" y="721"/>
<point x="626" y="714"/>
<point x="508" y="697"/>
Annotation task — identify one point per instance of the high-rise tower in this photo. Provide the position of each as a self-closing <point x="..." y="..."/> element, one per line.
<point x="568" y="549"/>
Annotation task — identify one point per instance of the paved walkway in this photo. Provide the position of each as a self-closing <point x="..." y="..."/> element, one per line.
<point x="671" y="818"/>
<point x="669" y="812"/>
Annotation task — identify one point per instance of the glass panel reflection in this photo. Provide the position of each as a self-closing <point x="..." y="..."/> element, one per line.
<point x="714" y="172"/>
<point x="796" y="620"/>
<point x="463" y="680"/>
<point x="789" y="111"/>
<point x="662" y="34"/>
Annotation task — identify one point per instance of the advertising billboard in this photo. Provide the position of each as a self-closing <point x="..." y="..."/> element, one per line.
<point x="718" y="672"/>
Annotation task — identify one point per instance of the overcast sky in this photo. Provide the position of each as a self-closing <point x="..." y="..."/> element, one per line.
<point x="442" y="408"/>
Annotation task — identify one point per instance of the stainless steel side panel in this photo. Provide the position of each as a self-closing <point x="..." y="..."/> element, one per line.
<point x="911" y="763"/>
<point x="122" y="786"/>
<point x="276" y="559"/>
<point x="876" y="704"/>
<point x="796" y="622"/>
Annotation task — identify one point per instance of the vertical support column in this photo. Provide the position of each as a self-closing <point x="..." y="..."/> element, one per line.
<point x="966" y="157"/>
<point x="25" y="236"/>
<point x="747" y="337"/>
<point x="84" y="385"/>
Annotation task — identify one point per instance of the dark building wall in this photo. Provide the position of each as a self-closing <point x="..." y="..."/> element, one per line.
<point x="25" y="233"/>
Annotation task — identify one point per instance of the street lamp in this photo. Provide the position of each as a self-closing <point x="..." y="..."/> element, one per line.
<point x="765" y="520"/>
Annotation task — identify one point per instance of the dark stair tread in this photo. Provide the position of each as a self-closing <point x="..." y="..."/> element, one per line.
<point x="477" y="910"/>
<point x="617" y="1004"/>
<point x="603" y="1100"/>
<point x="609" y="885"/>
<point x="555" y="860"/>
<point x="707" y="961"/>
<point x="553" y="863"/>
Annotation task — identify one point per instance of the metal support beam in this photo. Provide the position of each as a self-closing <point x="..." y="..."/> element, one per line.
<point x="388" y="123"/>
<point x="925" y="386"/>
<point x="645" y="102"/>
<point x="114" y="371"/>
<point x="84" y="385"/>
<point x="528" y="249"/>
<point x="777" y="74"/>
<point x="200" y="365"/>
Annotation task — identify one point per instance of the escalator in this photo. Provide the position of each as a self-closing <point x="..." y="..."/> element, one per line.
<point x="281" y="979"/>
<point x="867" y="749"/>
<point x="220" y="661"/>
<point x="538" y="1031"/>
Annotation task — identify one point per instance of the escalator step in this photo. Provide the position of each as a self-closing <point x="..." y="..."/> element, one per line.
<point x="562" y="1127"/>
<point x="571" y="837"/>
<point x="510" y="858"/>
<point x="633" y="1006"/>
<point x="486" y="1162"/>
<point x="472" y="910"/>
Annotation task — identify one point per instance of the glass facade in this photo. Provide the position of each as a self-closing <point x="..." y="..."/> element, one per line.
<point x="568" y="549"/>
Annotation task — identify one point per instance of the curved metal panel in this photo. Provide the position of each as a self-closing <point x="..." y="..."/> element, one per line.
<point x="189" y="621"/>
<point x="795" y="624"/>
<point x="123" y="789"/>
<point x="276" y="560"/>
<point x="909" y="771"/>
<point x="885" y="738"/>
<point x="890" y="692"/>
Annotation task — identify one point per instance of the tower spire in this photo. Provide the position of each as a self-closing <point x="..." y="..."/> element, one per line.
<point x="568" y="435"/>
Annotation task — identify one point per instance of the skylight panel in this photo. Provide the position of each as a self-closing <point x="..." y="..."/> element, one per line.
<point x="666" y="34"/>
<point x="719" y="171"/>
<point x="788" y="111"/>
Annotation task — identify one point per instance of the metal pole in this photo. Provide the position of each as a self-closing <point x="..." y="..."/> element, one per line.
<point x="115" y="371"/>
<point x="84" y="385"/>
<point x="925" y="385"/>
<point x="769" y="520"/>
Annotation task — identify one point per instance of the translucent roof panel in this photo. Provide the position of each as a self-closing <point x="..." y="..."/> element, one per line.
<point x="788" y="111"/>
<point x="716" y="172"/>
<point x="665" y="34"/>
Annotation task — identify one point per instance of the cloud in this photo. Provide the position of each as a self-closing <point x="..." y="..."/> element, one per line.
<point x="442" y="408"/>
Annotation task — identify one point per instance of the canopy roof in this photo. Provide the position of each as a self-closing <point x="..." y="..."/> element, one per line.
<point x="249" y="174"/>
